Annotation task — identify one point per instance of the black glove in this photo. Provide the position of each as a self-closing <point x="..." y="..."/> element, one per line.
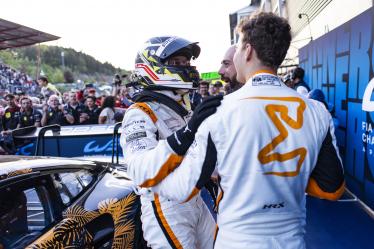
<point x="182" y="139"/>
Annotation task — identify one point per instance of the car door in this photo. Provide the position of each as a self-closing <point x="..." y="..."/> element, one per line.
<point x="26" y="211"/>
<point x="102" y="219"/>
<point x="68" y="185"/>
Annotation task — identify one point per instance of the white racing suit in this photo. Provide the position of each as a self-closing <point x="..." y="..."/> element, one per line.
<point x="165" y="223"/>
<point x="269" y="145"/>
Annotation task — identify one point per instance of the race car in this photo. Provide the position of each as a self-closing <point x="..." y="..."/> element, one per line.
<point x="64" y="203"/>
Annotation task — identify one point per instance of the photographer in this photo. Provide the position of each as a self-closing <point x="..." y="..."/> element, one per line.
<point x="116" y="84"/>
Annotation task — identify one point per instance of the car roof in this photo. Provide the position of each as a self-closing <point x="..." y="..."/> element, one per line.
<point x="11" y="166"/>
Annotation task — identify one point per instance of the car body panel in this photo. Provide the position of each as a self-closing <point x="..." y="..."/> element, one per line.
<point x="109" y="193"/>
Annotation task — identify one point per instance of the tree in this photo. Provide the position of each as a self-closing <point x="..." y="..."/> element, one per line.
<point x="69" y="77"/>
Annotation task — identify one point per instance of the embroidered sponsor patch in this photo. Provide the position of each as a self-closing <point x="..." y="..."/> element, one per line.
<point x="266" y="80"/>
<point x="134" y="126"/>
<point x="137" y="145"/>
<point x="135" y="122"/>
<point x="136" y="135"/>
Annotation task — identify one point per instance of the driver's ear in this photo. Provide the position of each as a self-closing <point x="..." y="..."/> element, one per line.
<point x="248" y="51"/>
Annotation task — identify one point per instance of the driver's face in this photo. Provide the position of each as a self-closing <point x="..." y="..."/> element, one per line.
<point x="179" y="60"/>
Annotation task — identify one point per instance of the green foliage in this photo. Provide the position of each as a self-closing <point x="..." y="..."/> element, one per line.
<point x="78" y="65"/>
<point x="69" y="77"/>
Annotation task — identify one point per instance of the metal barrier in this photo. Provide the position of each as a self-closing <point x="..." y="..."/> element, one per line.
<point x="115" y="142"/>
<point x="40" y="142"/>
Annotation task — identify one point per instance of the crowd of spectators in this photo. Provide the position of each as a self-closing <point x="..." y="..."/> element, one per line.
<point x="75" y="107"/>
<point x="12" y="80"/>
<point x="86" y="107"/>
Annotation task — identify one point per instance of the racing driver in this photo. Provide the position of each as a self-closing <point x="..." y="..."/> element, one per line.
<point x="162" y="109"/>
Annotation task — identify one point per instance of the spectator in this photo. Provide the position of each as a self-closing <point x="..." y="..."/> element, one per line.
<point x="198" y="97"/>
<point x="11" y="113"/>
<point x="47" y="89"/>
<point x="125" y="98"/>
<point x="118" y="117"/>
<point x="80" y="97"/>
<point x="29" y="116"/>
<point x="215" y="88"/>
<point x="91" y="112"/>
<point x="9" y="122"/>
<point x="53" y="113"/>
<point x="107" y="113"/>
<point x="287" y="80"/>
<point x="14" y="80"/>
<point x="73" y="109"/>
<point x="6" y="141"/>
<point x="91" y="92"/>
<point x="298" y="82"/>
<point x="65" y="97"/>
<point x="100" y="100"/>
<point x="228" y="71"/>
<point x="318" y="95"/>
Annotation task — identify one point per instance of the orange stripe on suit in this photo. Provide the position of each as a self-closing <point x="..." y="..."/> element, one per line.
<point x="165" y="224"/>
<point x="145" y="108"/>
<point x="314" y="190"/>
<point x="168" y="167"/>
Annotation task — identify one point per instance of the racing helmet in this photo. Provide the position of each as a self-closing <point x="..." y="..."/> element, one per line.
<point x="152" y="70"/>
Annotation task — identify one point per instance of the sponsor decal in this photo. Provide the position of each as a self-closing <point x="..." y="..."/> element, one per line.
<point x="93" y="147"/>
<point x="137" y="145"/>
<point x="367" y="104"/>
<point x="268" y="206"/>
<point x="136" y="135"/>
<point x="26" y="150"/>
<point x="134" y="126"/>
<point x="266" y="80"/>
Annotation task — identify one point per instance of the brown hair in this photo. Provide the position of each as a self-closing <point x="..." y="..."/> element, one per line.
<point x="203" y="83"/>
<point x="25" y="97"/>
<point x="269" y="35"/>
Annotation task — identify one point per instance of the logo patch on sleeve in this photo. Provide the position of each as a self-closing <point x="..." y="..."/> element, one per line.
<point x="136" y="135"/>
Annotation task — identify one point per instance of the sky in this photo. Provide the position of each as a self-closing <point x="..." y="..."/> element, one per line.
<point x="113" y="31"/>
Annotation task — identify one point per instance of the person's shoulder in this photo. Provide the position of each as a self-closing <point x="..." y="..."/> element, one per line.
<point x="96" y="109"/>
<point x="37" y="112"/>
<point x="139" y="112"/>
<point x="104" y="110"/>
<point x="51" y="87"/>
<point x="319" y="109"/>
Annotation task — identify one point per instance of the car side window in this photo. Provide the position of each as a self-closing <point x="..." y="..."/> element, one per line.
<point x="71" y="184"/>
<point x="23" y="215"/>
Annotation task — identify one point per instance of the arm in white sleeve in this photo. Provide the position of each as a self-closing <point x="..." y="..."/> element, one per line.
<point x="302" y="90"/>
<point x="148" y="159"/>
<point x="194" y="171"/>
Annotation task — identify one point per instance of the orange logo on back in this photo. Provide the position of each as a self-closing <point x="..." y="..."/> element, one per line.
<point x="267" y="154"/>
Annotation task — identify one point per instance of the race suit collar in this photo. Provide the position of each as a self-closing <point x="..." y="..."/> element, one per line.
<point x="263" y="71"/>
<point x="263" y="78"/>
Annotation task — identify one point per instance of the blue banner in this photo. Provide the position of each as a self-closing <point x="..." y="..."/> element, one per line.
<point x="341" y="63"/>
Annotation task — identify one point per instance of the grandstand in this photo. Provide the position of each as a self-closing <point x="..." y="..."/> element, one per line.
<point x="13" y="35"/>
